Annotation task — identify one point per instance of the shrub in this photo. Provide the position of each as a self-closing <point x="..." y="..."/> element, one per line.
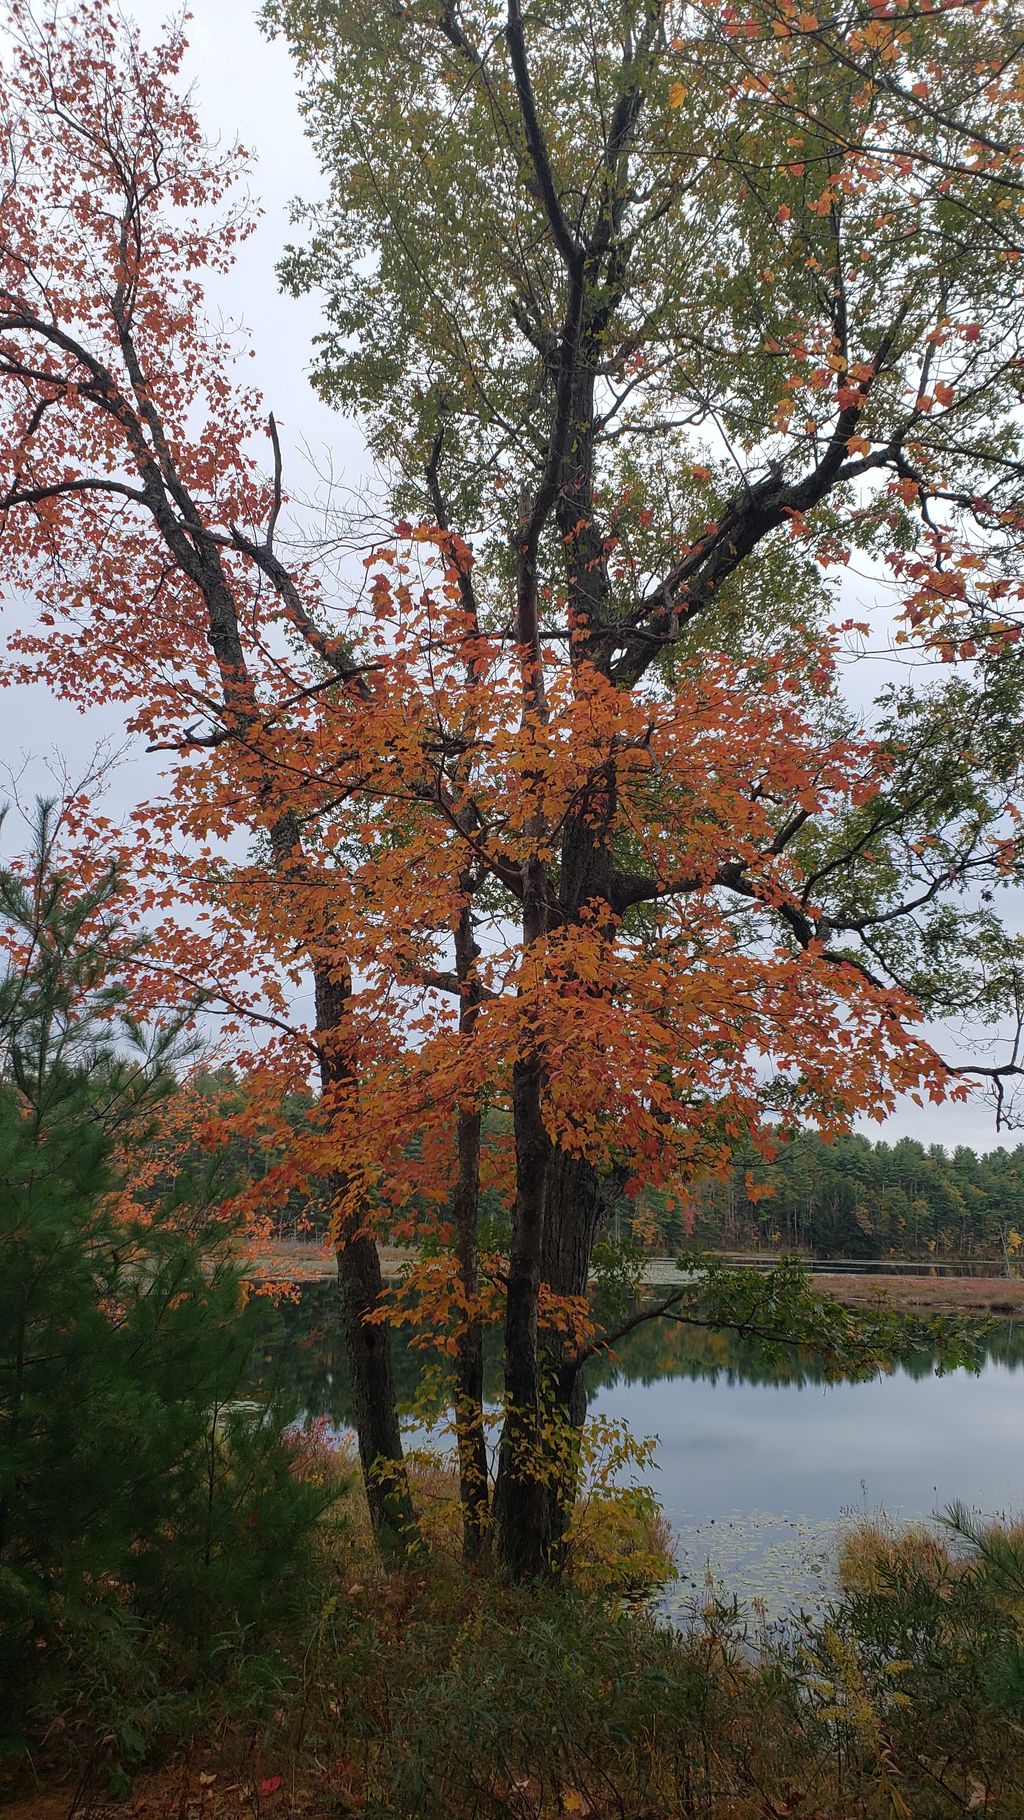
<point x="920" y="1670"/>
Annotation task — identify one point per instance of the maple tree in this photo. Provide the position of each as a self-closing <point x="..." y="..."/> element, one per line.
<point x="668" y="311"/>
<point x="127" y="487"/>
<point x="563" y="813"/>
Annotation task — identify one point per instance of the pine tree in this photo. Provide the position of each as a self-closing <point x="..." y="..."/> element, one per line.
<point x="141" y="1514"/>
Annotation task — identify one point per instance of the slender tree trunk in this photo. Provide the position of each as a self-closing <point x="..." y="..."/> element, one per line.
<point x="371" y="1378"/>
<point x="521" y="1502"/>
<point x="360" y="1286"/>
<point x="469" y="1356"/>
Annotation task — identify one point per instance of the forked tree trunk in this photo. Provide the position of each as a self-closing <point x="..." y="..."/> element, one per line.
<point x="575" y="1204"/>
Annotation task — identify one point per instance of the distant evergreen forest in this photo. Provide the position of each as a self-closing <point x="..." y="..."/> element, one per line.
<point x="858" y="1198"/>
<point x="851" y="1198"/>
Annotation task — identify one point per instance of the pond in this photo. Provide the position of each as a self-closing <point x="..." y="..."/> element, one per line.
<point x="757" y="1466"/>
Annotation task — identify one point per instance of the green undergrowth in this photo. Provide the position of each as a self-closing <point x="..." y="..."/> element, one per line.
<point x="434" y="1691"/>
<point x="619" y="1542"/>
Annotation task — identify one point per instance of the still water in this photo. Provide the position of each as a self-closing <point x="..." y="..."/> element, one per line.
<point x="756" y="1466"/>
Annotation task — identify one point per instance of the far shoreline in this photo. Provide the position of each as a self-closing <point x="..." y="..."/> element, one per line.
<point x="298" y="1262"/>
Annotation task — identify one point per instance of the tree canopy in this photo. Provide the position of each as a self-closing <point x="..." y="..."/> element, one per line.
<point x="564" y="814"/>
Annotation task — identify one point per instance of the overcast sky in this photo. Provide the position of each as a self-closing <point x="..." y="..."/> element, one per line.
<point x="244" y="90"/>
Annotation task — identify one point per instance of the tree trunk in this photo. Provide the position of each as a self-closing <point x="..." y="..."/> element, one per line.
<point x="575" y="1200"/>
<point x="371" y="1377"/>
<point x="469" y="1356"/>
<point x="575" y="1205"/>
<point x="520" y="1497"/>
<point x="519" y="1502"/>
<point x="360" y="1285"/>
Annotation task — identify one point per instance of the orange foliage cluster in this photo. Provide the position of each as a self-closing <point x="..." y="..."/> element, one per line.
<point x="343" y="777"/>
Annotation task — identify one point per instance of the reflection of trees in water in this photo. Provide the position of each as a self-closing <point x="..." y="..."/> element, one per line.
<point x="302" y="1353"/>
<point x="661" y="1350"/>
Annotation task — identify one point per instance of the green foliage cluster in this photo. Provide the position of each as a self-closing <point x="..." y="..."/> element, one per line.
<point x="148" y="1524"/>
<point x="855" y="1198"/>
<point x="443" y="1696"/>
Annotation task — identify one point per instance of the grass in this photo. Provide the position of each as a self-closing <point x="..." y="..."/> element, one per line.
<point x="436" y="1692"/>
<point x="875" y="1556"/>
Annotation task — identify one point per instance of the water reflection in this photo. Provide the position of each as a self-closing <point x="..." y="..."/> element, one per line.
<point x="756" y="1459"/>
<point x="302" y="1351"/>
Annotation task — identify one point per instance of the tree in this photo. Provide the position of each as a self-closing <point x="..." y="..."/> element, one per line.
<point x="141" y="530"/>
<point x="136" y="1510"/>
<point x="571" y="826"/>
<point x="662" y="309"/>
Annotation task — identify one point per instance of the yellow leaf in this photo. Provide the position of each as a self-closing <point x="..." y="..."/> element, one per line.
<point x="676" y="95"/>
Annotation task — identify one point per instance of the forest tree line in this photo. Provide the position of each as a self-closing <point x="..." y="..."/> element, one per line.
<point x="853" y="1197"/>
<point x="859" y="1198"/>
